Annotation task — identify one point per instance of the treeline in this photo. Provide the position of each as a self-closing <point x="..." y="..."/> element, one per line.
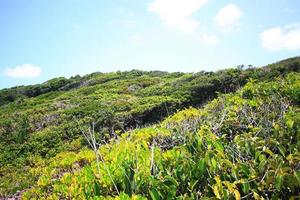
<point x="8" y="95"/>
<point x="64" y="84"/>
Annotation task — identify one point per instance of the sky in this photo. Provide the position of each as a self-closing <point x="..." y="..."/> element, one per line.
<point x="40" y="40"/>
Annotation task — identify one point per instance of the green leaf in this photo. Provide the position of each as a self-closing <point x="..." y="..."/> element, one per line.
<point x="278" y="182"/>
<point x="218" y="145"/>
<point x="267" y="150"/>
<point x="297" y="175"/>
<point x="214" y="163"/>
<point x="193" y="184"/>
<point x="170" y="196"/>
<point x="262" y="158"/>
<point x="124" y="196"/>
<point x="202" y="167"/>
<point x="290" y="123"/>
<point x="227" y="162"/>
<point x="281" y="150"/>
<point x="170" y="181"/>
<point x="245" y="169"/>
<point x="246" y="187"/>
<point x="154" y="194"/>
<point x="262" y="166"/>
<point x="97" y="189"/>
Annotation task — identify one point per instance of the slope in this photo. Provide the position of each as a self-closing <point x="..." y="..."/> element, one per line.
<point x="240" y="145"/>
<point x="38" y="122"/>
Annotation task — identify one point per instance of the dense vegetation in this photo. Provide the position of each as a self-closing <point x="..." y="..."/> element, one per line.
<point x="244" y="144"/>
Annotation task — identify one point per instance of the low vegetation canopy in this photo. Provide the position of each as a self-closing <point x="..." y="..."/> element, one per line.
<point x="231" y="134"/>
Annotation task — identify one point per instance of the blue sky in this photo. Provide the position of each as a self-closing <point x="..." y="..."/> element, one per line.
<point x="40" y="40"/>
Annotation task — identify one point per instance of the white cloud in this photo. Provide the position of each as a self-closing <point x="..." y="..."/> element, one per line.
<point x="177" y="14"/>
<point x="23" y="71"/>
<point x="228" y="18"/>
<point x="208" y="39"/>
<point x="281" y="38"/>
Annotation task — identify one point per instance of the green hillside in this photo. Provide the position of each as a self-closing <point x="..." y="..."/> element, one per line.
<point x="160" y="135"/>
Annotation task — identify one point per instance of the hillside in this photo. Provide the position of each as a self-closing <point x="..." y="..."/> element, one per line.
<point x="242" y="144"/>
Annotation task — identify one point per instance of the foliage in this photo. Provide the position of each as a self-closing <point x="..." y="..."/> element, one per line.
<point x="242" y="135"/>
<point x="241" y="145"/>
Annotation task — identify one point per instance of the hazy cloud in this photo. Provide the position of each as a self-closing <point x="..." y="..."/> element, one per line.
<point x="228" y="18"/>
<point x="208" y="39"/>
<point x="177" y="14"/>
<point x="281" y="38"/>
<point x="23" y="71"/>
<point x="137" y="39"/>
<point x="129" y="23"/>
